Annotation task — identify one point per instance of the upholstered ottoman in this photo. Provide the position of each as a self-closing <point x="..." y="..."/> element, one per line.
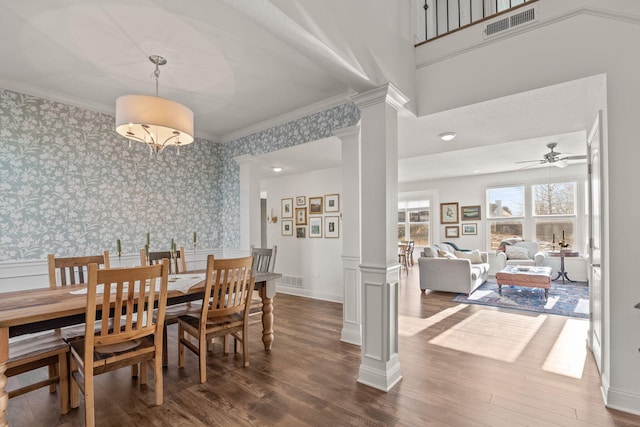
<point x="532" y="277"/>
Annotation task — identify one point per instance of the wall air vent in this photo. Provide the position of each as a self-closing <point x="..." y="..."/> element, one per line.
<point x="517" y="19"/>
<point x="496" y="27"/>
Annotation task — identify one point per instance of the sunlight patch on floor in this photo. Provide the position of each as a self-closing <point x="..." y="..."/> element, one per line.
<point x="409" y="326"/>
<point x="492" y="334"/>
<point x="569" y="352"/>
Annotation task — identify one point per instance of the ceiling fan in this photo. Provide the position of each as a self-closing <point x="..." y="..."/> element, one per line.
<point x="553" y="157"/>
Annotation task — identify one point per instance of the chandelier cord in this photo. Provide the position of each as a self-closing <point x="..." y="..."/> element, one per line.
<point x="156" y="74"/>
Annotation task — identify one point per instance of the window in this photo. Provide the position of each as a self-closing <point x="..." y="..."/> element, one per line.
<point x="545" y="213"/>
<point x="505" y="213"/>
<point x="554" y="214"/>
<point x="413" y="221"/>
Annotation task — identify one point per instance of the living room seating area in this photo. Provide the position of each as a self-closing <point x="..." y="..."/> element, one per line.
<point x="519" y="252"/>
<point x="442" y="268"/>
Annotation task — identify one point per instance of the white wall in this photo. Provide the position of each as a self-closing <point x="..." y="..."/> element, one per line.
<point x="311" y="267"/>
<point x="574" y="39"/>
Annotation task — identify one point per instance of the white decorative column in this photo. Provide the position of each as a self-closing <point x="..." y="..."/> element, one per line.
<point x="380" y="367"/>
<point x="350" y="208"/>
<point x="249" y="201"/>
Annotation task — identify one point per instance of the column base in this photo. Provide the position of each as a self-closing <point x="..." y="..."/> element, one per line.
<point x="381" y="379"/>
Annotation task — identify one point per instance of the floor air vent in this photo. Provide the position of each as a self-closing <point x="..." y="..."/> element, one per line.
<point x="291" y="281"/>
<point x="509" y="22"/>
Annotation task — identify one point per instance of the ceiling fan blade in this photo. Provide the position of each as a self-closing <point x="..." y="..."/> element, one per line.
<point x="574" y="157"/>
<point x="531" y="161"/>
<point x="539" y="162"/>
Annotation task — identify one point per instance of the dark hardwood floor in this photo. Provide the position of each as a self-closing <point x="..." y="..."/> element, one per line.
<point x="485" y="367"/>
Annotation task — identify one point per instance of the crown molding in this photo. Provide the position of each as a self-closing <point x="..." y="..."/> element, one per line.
<point x="288" y="117"/>
<point x="56" y="97"/>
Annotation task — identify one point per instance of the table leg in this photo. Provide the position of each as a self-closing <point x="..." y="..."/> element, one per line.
<point x="4" y="357"/>
<point x="267" y="318"/>
<point x="563" y="273"/>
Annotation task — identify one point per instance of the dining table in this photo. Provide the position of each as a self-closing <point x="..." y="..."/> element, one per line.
<point x="35" y="310"/>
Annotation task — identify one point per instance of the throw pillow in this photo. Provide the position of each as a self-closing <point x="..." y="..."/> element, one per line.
<point x="516" y="252"/>
<point x="430" y="251"/>
<point x="473" y="256"/>
<point x="445" y="254"/>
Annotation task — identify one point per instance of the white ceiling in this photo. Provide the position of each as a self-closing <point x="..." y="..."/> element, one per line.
<point x="235" y="75"/>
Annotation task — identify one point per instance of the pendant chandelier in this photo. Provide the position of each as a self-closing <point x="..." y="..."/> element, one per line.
<point x="157" y="122"/>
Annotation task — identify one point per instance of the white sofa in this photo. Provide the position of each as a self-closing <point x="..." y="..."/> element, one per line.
<point x="454" y="273"/>
<point x="520" y="253"/>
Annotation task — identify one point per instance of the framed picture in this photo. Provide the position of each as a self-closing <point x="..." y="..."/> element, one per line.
<point x="452" y="231"/>
<point x="286" y="208"/>
<point x="469" y="213"/>
<point x="470" y="228"/>
<point x="301" y="200"/>
<point x="315" y="205"/>
<point x="301" y="232"/>
<point x="332" y="203"/>
<point x="331" y="227"/>
<point x="315" y="226"/>
<point x="448" y="213"/>
<point x="301" y="216"/>
<point x="287" y="227"/>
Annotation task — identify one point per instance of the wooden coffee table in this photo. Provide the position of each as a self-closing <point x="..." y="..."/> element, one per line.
<point x="532" y="277"/>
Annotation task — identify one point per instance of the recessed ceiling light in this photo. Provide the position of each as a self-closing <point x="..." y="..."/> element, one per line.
<point x="276" y="169"/>
<point x="447" y="136"/>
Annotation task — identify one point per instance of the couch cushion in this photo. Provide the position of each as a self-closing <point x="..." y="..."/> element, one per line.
<point x="445" y="254"/>
<point x="517" y="252"/>
<point x="446" y="247"/>
<point x="473" y="256"/>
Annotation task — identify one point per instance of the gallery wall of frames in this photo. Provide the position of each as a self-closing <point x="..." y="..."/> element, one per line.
<point x="311" y="216"/>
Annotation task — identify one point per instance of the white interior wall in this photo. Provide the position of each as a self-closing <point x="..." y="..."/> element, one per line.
<point x="311" y="267"/>
<point x="573" y="40"/>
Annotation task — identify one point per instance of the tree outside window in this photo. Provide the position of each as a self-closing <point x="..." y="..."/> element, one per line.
<point x="554" y="214"/>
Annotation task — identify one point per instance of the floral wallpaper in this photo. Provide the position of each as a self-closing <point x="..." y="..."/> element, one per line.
<point x="306" y="129"/>
<point x="70" y="185"/>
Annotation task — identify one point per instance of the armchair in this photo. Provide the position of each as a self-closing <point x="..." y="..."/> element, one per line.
<point x="520" y="253"/>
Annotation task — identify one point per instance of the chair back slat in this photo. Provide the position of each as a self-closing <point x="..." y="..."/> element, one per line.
<point x="179" y="266"/>
<point x="73" y="270"/>
<point x="229" y="284"/>
<point x="264" y="260"/>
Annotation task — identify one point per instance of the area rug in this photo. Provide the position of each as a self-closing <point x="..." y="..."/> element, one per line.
<point x="569" y="299"/>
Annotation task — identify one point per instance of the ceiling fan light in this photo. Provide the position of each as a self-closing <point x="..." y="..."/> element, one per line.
<point x="560" y="163"/>
<point x="447" y="136"/>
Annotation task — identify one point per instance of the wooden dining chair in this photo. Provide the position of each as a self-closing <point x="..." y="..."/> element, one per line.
<point x="403" y="249"/>
<point x="35" y="351"/>
<point x="73" y="270"/>
<point x="264" y="261"/>
<point x="65" y="271"/>
<point x="225" y="310"/>
<point x="178" y="265"/>
<point x="128" y="335"/>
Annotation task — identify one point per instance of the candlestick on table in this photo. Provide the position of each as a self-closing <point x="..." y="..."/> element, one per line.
<point x="118" y="250"/>
<point x="195" y="243"/>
